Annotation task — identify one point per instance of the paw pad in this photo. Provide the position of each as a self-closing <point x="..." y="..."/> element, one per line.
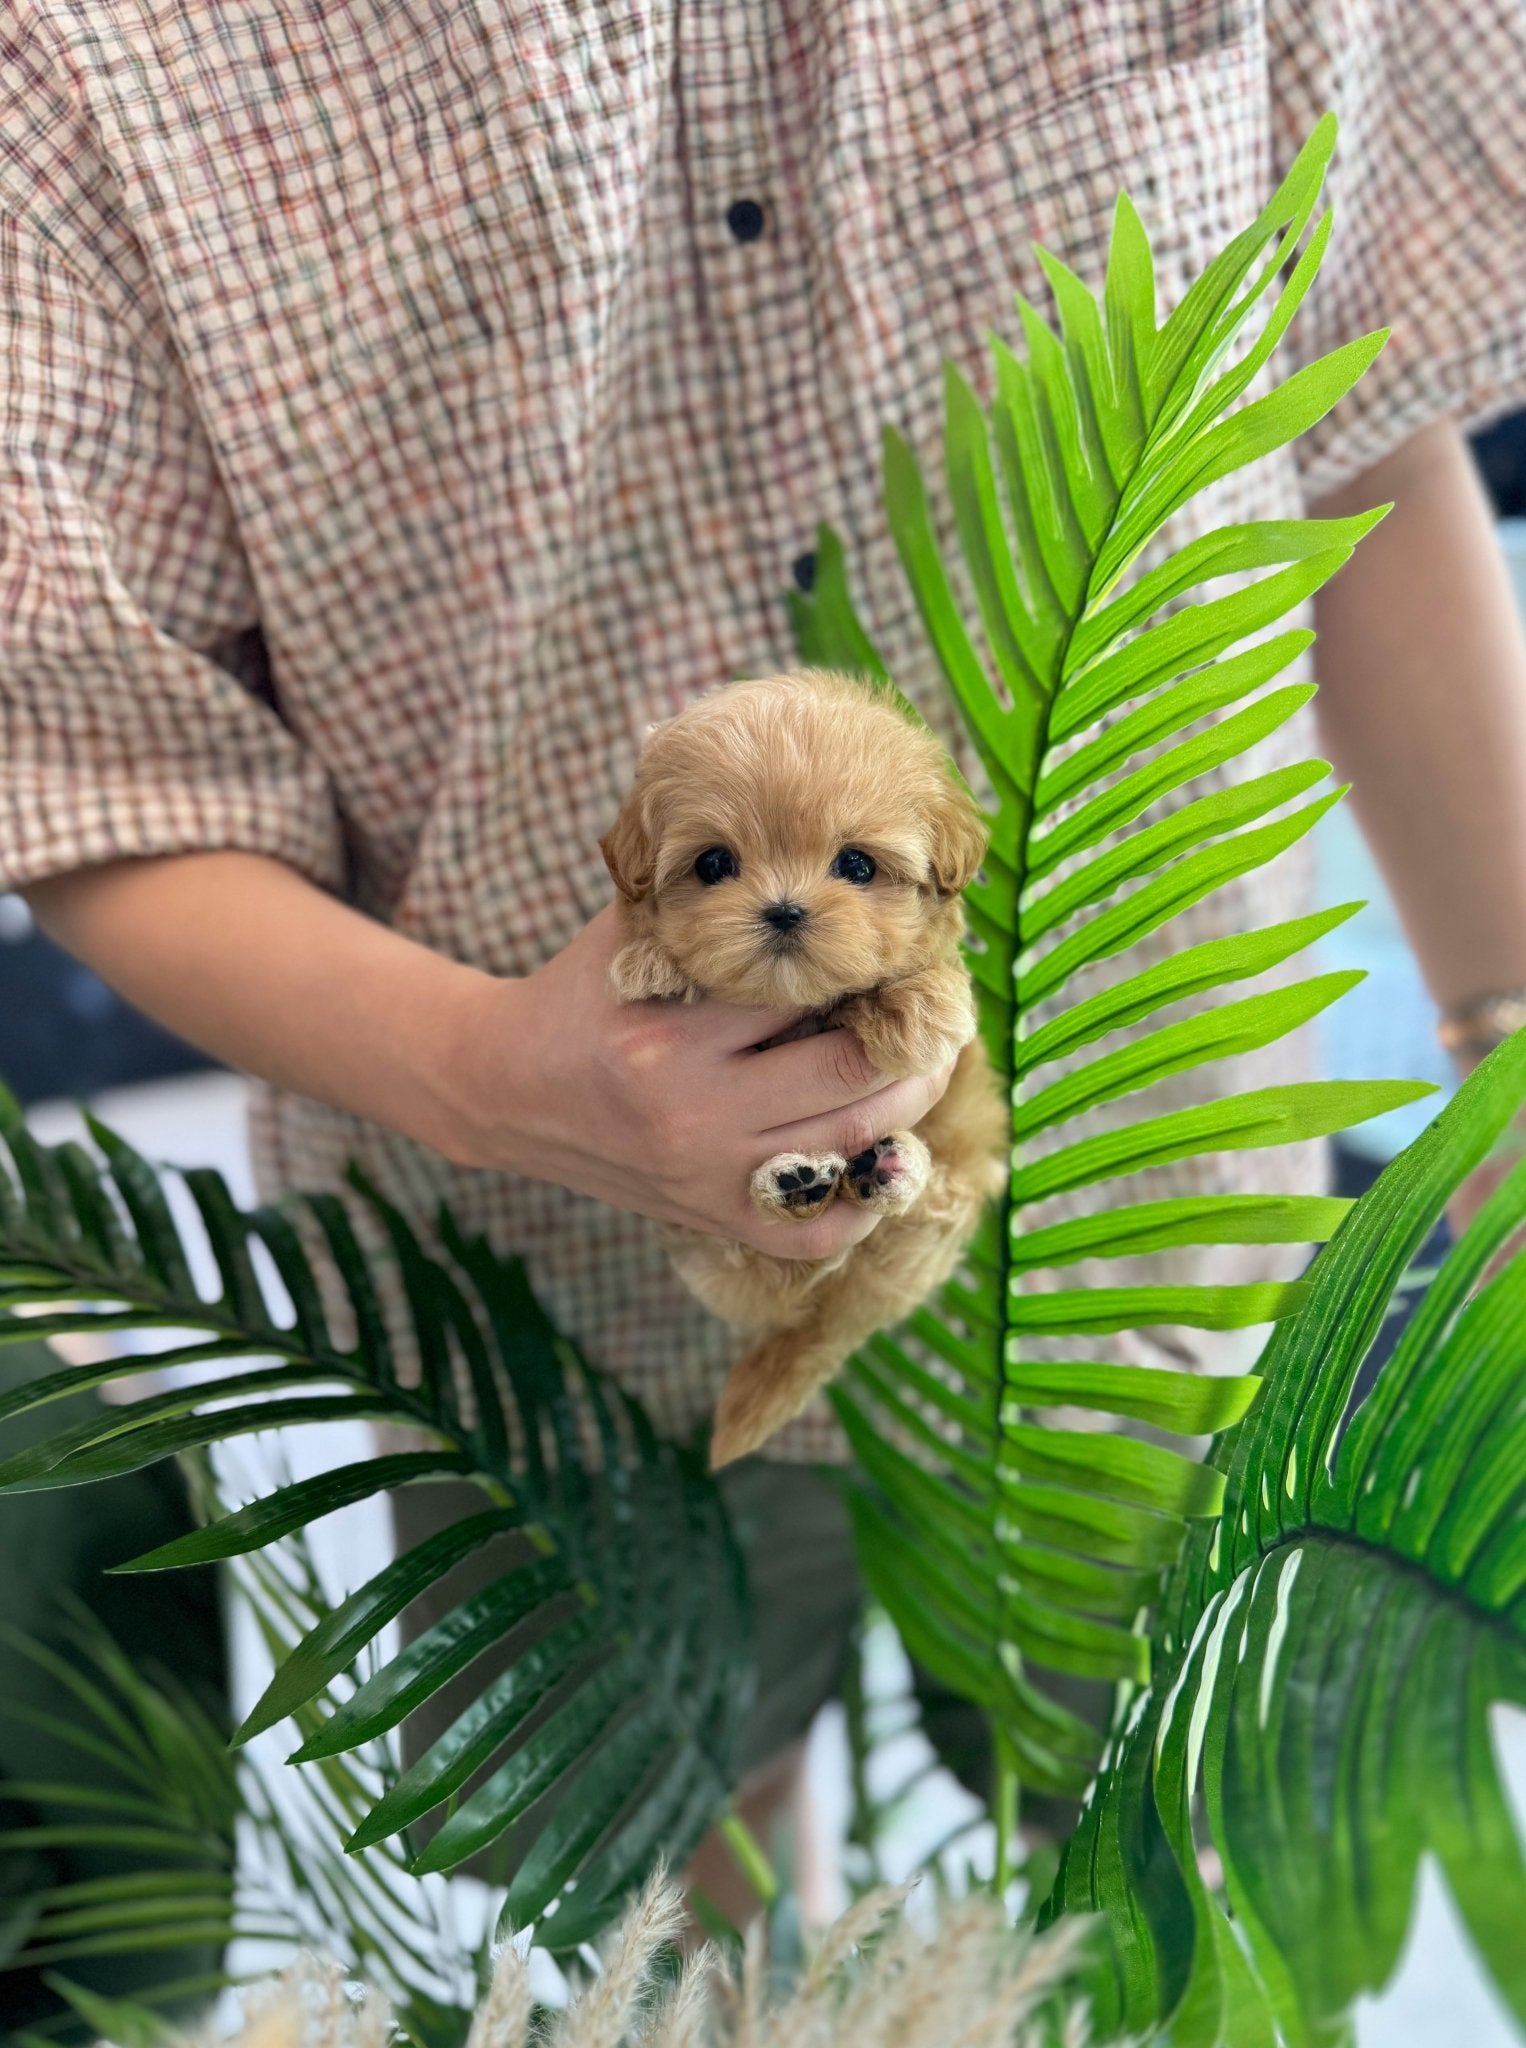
<point x="795" y="1185"/>
<point x="804" y="1186"/>
<point x="890" y="1173"/>
<point x="875" y="1167"/>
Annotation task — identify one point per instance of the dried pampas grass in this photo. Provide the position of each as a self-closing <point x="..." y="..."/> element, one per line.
<point x="876" y="1981"/>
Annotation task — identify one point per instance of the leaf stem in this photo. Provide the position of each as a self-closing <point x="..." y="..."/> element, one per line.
<point x="752" y="1862"/>
<point x="1004" y="1805"/>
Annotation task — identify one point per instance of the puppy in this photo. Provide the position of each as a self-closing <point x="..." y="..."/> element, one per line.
<point x="797" y="843"/>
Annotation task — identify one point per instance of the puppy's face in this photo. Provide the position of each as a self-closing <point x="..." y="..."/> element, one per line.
<point x="793" y="841"/>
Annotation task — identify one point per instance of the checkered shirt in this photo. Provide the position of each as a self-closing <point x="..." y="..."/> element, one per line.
<point x="407" y="401"/>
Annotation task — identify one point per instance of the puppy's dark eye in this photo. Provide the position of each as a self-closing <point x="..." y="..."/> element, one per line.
<point x="853" y="866"/>
<point x="715" y="864"/>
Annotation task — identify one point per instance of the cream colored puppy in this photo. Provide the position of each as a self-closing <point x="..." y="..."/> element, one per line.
<point x="796" y="843"/>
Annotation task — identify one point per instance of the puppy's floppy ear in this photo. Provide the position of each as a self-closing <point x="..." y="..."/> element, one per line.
<point x="629" y="851"/>
<point x="956" y="838"/>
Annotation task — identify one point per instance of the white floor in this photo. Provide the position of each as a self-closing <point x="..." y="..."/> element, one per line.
<point x="1439" y="1999"/>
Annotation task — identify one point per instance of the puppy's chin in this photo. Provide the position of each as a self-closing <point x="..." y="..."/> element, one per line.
<point x="770" y="979"/>
<point x="787" y="979"/>
<point x="731" y="959"/>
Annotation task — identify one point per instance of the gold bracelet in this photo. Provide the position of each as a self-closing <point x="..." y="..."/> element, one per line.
<point x="1469" y="1030"/>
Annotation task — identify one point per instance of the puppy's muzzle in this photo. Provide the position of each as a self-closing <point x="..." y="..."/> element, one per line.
<point x="783" y="919"/>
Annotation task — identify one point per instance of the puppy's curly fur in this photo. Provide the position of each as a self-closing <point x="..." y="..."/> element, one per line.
<point x="796" y="843"/>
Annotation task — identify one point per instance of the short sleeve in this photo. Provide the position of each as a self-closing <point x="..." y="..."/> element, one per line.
<point x="121" y="573"/>
<point x="1428" y="187"/>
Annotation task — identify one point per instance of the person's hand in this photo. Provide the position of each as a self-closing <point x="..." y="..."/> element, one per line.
<point x="664" y="1107"/>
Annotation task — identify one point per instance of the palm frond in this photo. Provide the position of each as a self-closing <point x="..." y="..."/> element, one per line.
<point x="179" y="1802"/>
<point x="1000" y="1547"/>
<point x="1329" y="1651"/>
<point x="609" y="1738"/>
<point x="410" y="1935"/>
<point x="163" y="1814"/>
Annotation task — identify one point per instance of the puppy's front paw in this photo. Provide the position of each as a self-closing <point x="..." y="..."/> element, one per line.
<point x="641" y="970"/>
<point x="915" y="1026"/>
<point x="797" y="1184"/>
<point x="890" y="1175"/>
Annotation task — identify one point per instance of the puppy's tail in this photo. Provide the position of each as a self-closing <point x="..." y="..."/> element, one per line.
<point x="769" y="1386"/>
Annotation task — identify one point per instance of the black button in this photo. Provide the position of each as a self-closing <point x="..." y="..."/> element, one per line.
<point x="745" y="219"/>
<point x="804" y="571"/>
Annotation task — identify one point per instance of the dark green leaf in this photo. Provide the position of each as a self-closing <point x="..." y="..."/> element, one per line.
<point x="297" y="1507"/>
<point x="342" y="1634"/>
<point x="434" y="1657"/>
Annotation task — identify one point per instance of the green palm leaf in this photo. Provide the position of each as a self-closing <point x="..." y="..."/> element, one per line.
<point x="158" y="1827"/>
<point x="1330" y="1650"/>
<point x="170" y="1823"/>
<point x="999" y="1549"/>
<point x="609" y="1738"/>
<point x="164" y="1815"/>
<point x="366" y="1908"/>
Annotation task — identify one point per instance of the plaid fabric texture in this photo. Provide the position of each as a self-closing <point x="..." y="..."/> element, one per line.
<point x="400" y="411"/>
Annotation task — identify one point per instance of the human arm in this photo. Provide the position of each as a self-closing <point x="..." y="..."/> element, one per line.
<point x="1419" y="656"/>
<point x="658" y="1107"/>
<point x="1422" y="705"/>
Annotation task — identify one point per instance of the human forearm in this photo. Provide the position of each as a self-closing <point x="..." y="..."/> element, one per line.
<point x="1422" y="705"/>
<point x="245" y="958"/>
<point x="660" y="1107"/>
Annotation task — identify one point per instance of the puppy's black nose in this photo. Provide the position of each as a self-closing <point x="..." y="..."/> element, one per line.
<point x="784" y="916"/>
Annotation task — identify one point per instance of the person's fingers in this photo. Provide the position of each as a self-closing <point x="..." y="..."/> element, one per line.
<point x="792" y="1084"/>
<point x="839" y="1225"/>
<point x="738" y="1030"/>
<point x="726" y="1027"/>
<point x="898" y="1106"/>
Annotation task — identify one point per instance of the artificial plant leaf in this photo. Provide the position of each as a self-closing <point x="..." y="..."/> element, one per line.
<point x="1264" y="1116"/>
<point x="578" y="1542"/>
<point x="1179" y="978"/>
<point x="1233" y="1027"/>
<point x="151" y="1812"/>
<point x="1084" y="680"/>
<point x="335" y="1642"/>
<point x="1159" y="846"/>
<point x="297" y="1507"/>
<point x="1327" y="1677"/>
<point x="1228" y="551"/>
<point x="1123" y="801"/>
<point x="1185" y="640"/>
